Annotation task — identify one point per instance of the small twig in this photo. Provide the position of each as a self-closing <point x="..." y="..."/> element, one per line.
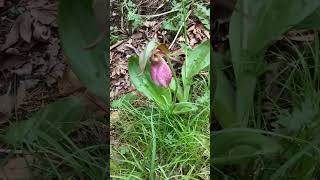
<point x="175" y="38"/>
<point x="10" y="151"/>
<point x="157" y="15"/>
<point x="116" y="44"/>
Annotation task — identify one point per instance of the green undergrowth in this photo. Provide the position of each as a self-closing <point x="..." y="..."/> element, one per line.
<point x="152" y="144"/>
<point x="287" y="109"/>
<point x="170" y="15"/>
<point x="56" y="155"/>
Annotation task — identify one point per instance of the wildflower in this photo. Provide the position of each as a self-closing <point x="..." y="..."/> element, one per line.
<point x="160" y="70"/>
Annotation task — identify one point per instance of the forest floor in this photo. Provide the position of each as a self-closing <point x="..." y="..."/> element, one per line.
<point x="33" y="73"/>
<point x="178" y="156"/>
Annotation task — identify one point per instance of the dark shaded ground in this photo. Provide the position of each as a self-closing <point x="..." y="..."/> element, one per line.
<point x="32" y="64"/>
<point x="31" y="61"/>
<point x="34" y="72"/>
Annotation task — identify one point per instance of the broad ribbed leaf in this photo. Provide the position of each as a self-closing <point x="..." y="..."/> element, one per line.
<point x="234" y="147"/>
<point x="260" y="22"/>
<point x="78" y="28"/>
<point x="224" y="102"/>
<point x="151" y="46"/>
<point x="184" y="107"/>
<point x="252" y="29"/>
<point x="197" y="59"/>
<point x="311" y="21"/>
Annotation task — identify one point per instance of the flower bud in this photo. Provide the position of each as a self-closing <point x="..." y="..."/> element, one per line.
<point x="161" y="73"/>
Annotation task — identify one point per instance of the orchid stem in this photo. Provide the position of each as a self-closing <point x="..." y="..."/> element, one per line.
<point x="174" y="77"/>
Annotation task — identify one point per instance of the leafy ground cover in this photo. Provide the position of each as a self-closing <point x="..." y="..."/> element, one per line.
<point x="148" y="142"/>
<point x="268" y="81"/>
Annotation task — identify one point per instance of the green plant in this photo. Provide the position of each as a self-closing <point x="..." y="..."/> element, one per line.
<point x="147" y="137"/>
<point x="133" y="15"/>
<point x="253" y="27"/>
<point x="203" y="14"/>
<point x="197" y="60"/>
<point x="114" y="35"/>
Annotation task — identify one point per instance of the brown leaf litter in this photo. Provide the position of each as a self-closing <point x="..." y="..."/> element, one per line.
<point x="31" y="59"/>
<point x="122" y="50"/>
<point x="17" y="168"/>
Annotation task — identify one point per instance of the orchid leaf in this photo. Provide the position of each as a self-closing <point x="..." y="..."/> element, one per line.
<point x="151" y="46"/>
<point x="78" y="27"/>
<point x="197" y="59"/>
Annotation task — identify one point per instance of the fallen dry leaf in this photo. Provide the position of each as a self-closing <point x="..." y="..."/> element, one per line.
<point x="150" y="23"/>
<point x="26" y="69"/>
<point x="12" y="62"/>
<point x="41" y="32"/>
<point x="12" y="51"/>
<point x="301" y="35"/>
<point x="44" y="16"/>
<point x="30" y="83"/>
<point x="53" y="48"/>
<point x="114" y="116"/>
<point x="13" y="36"/>
<point x="37" y="3"/>
<point x="58" y="70"/>
<point x="26" y="27"/>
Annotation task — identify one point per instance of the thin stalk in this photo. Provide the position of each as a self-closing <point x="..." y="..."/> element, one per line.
<point x="174" y="77"/>
<point x="186" y="41"/>
<point x="184" y="21"/>
<point x="157" y="15"/>
<point x="153" y="150"/>
<point x="245" y="27"/>
<point x="316" y="58"/>
<point x="175" y="38"/>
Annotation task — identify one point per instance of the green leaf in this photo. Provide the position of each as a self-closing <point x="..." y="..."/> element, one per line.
<point x="144" y="84"/>
<point x="258" y="23"/>
<point x="235" y="147"/>
<point x="151" y="46"/>
<point x="172" y="24"/>
<point x="184" y="107"/>
<point x="252" y="29"/>
<point x="299" y="158"/>
<point x="311" y="21"/>
<point x="63" y="114"/>
<point x="78" y="28"/>
<point x="179" y="91"/>
<point x="224" y="98"/>
<point x="304" y="120"/>
<point x="124" y="100"/>
<point x="7" y="103"/>
<point x="197" y="59"/>
<point x="203" y="14"/>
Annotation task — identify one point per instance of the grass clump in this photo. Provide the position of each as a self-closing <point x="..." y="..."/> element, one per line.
<point x="152" y="144"/>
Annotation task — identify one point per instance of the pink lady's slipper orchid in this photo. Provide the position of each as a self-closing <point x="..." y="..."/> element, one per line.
<point x="160" y="70"/>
